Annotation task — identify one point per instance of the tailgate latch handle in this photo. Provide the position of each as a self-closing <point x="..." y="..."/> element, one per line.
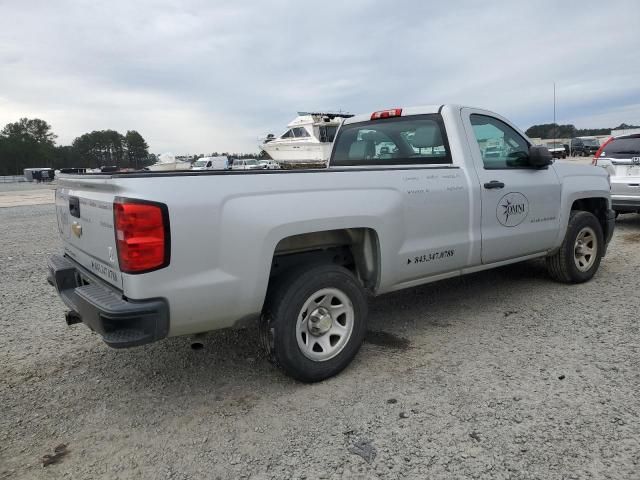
<point x="74" y="207"/>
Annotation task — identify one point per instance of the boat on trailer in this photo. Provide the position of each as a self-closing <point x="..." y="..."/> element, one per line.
<point x="168" y="162"/>
<point x="307" y="139"/>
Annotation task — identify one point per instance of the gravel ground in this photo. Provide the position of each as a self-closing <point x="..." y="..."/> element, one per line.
<point x="22" y="186"/>
<point x="26" y="193"/>
<point x="502" y="374"/>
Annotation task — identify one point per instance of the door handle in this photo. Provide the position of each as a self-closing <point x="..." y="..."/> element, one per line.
<point x="493" y="184"/>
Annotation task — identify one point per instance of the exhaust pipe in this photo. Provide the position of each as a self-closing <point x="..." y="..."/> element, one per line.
<point x="72" y="317"/>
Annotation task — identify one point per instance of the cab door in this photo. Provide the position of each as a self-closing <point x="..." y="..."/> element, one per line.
<point x="520" y="204"/>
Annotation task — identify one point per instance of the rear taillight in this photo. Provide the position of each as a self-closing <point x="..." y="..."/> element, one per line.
<point x="393" y="112"/>
<point x="599" y="151"/>
<point x="142" y="235"/>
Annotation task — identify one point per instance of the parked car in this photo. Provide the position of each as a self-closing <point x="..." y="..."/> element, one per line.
<point x="620" y="156"/>
<point x="322" y="241"/>
<point x="246" y="164"/>
<point x="584" y="147"/>
<point x="42" y="174"/>
<point x="269" y="164"/>
<point x="556" y="149"/>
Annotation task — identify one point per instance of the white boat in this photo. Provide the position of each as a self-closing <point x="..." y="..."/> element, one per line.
<point x="168" y="162"/>
<point x="308" y="138"/>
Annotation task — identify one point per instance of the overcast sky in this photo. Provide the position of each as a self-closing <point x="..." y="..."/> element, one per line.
<point x="196" y="76"/>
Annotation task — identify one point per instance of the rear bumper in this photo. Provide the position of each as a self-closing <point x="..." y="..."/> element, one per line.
<point x="121" y="322"/>
<point x="625" y="203"/>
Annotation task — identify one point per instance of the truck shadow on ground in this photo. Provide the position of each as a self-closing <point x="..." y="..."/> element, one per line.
<point x="630" y="222"/>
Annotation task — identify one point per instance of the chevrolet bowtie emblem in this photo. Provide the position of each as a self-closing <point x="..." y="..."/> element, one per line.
<point x="76" y="228"/>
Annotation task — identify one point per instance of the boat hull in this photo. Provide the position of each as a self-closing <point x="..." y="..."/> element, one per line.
<point x="167" y="167"/>
<point x="298" y="152"/>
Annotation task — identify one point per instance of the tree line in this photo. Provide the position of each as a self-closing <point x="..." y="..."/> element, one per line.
<point x="31" y="143"/>
<point x="553" y="130"/>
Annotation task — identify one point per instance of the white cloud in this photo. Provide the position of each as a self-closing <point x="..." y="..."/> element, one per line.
<point x="197" y="76"/>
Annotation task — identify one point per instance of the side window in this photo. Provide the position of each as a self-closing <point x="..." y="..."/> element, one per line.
<point x="411" y="140"/>
<point x="300" y="132"/>
<point x="500" y="145"/>
<point x="328" y="133"/>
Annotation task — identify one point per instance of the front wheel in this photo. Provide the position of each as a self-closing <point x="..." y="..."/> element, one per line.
<point x="314" y="321"/>
<point x="579" y="256"/>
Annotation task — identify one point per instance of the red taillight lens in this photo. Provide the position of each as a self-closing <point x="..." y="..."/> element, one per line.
<point x="599" y="152"/>
<point x="393" y="112"/>
<point x="142" y="235"/>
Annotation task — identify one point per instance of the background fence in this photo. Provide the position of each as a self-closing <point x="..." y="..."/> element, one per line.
<point x="12" y="178"/>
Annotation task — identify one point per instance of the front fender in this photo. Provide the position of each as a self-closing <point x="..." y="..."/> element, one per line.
<point x="580" y="187"/>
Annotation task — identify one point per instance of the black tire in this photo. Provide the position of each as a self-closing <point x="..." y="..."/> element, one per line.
<point x="284" y="304"/>
<point x="562" y="265"/>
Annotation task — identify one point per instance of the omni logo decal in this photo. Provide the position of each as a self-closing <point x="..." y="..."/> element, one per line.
<point x="512" y="209"/>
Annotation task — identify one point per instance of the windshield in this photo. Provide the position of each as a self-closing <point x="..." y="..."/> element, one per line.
<point x="252" y="162"/>
<point x="591" y="142"/>
<point x="200" y="163"/>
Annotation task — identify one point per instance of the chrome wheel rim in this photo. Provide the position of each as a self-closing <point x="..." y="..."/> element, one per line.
<point x="585" y="249"/>
<point x="325" y="324"/>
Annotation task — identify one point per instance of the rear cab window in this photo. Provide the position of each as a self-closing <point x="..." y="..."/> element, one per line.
<point x="411" y="140"/>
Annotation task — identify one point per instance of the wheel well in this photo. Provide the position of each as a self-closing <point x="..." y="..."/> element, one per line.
<point x="597" y="206"/>
<point x="354" y="248"/>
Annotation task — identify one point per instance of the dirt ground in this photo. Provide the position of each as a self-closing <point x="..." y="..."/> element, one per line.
<point x="501" y="374"/>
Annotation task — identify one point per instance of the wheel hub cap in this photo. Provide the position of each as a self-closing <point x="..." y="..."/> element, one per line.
<point x="325" y="323"/>
<point x="585" y="249"/>
<point x="320" y="321"/>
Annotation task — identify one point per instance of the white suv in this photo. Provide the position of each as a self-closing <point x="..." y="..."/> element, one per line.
<point x="620" y="156"/>
<point x="269" y="164"/>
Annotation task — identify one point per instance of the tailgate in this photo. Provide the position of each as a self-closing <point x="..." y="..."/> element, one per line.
<point x="85" y="221"/>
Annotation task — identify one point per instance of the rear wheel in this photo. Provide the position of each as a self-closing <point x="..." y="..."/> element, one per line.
<point x="579" y="256"/>
<point x="314" y="321"/>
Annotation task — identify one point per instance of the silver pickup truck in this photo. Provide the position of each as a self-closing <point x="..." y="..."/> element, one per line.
<point x="410" y="196"/>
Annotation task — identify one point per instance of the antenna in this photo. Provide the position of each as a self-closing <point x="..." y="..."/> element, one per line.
<point x="554" y="113"/>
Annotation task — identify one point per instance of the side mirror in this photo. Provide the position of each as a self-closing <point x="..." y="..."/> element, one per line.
<point x="539" y="156"/>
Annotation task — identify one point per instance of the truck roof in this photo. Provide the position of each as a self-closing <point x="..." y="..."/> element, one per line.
<point x="406" y="111"/>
